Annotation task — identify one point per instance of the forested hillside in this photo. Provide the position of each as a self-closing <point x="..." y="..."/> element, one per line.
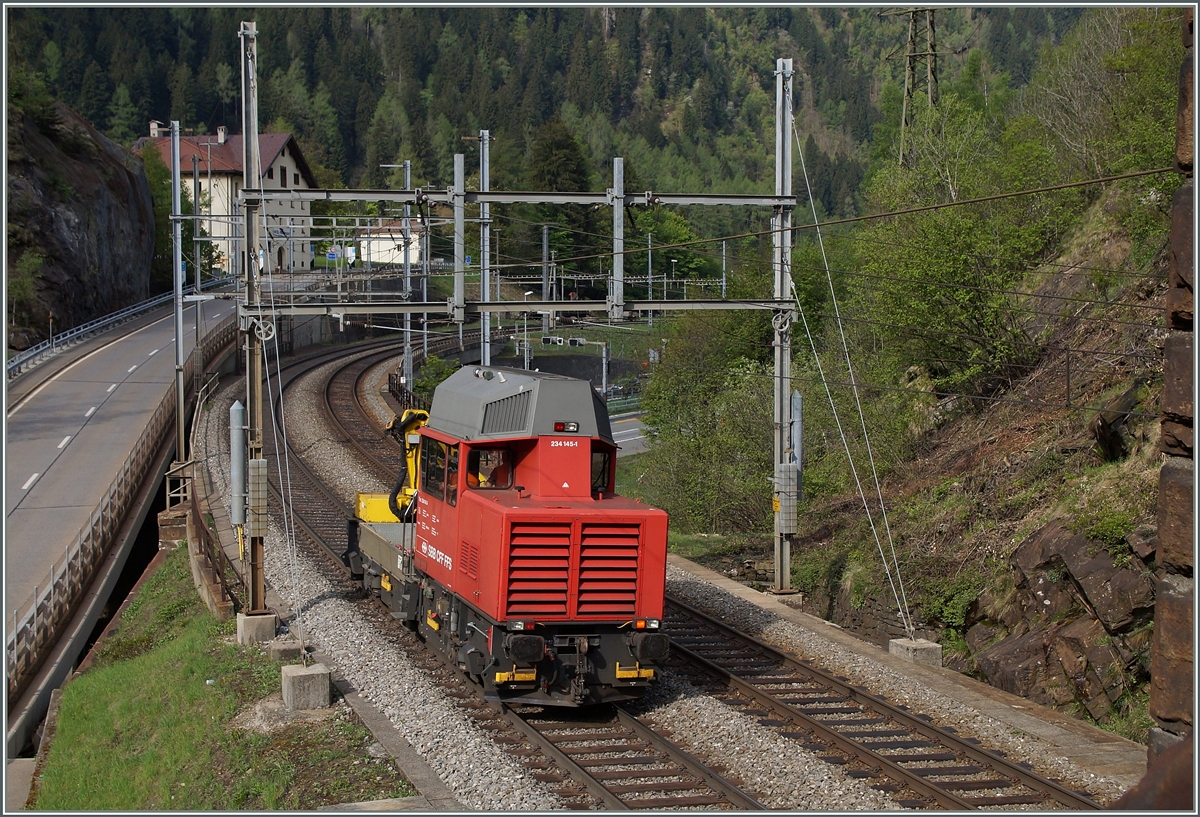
<point x="686" y="94"/>
<point x="1006" y="359"/>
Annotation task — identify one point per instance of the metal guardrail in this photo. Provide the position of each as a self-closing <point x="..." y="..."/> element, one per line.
<point x="36" y="622"/>
<point x="624" y="404"/>
<point x="23" y="361"/>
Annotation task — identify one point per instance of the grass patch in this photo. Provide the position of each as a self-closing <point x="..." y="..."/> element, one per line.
<point x="629" y="476"/>
<point x="1131" y="716"/>
<point x="148" y="727"/>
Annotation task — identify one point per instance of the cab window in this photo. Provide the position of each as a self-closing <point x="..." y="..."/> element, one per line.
<point x="433" y="468"/>
<point x="489" y="468"/>
<point x="601" y="469"/>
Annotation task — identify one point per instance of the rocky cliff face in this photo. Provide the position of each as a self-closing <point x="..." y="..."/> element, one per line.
<point x="80" y="224"/>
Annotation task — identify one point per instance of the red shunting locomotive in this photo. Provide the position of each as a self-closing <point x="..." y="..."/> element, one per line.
<point x="508" y="549"/>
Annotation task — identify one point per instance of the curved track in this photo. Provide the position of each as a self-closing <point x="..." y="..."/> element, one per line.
<point x="926" y="764"/>
<point x="614" y="761"/>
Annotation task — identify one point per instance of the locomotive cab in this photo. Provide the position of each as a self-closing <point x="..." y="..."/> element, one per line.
<point x="521" y="563"/>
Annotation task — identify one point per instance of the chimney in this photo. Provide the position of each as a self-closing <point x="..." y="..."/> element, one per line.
<point x="157" y="130"/>
<point x="222" y="134"/>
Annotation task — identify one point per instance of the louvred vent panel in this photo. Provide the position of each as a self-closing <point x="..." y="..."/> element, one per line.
<point x="539" y="565"/>
<point x="608" y="565"/>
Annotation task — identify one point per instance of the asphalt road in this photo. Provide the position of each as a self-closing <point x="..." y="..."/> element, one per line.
<point x="68" y="437"/>
<point x="630" y="435"/>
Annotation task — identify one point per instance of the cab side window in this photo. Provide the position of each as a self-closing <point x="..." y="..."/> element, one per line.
<point x="490" y="468"/>
<point x="601" y="469"/>
<point x="433" y="468"/>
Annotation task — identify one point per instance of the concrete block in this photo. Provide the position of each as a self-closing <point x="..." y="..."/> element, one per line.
<point x="1173" y="629"/>
<point x="917" y="651"/>
<point x="255" y="629"/>
<point x="1158" y="741"/>
<point x="1176" y="515"/>
<point x="1171" y="693"/>
<point x="306" y="687"/>
<point x="1181" y="310"/>
<point x="1178" y="390"/>
<point x="1181" y="272"/>
<point x="284" y="649"/>
<point x="172" y="528"/>
<point x="1185" y="130"/>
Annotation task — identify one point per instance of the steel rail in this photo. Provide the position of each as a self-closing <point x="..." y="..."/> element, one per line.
<point x="306" y="522"/>
<point x="655" y="744"/>
<point x="987" y="758"/>
<point x="580" y="775"/>
<point x="830" y="736"/>
<point x="715" y="781"/>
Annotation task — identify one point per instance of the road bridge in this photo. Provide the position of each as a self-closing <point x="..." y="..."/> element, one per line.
<point x="71" y="424"/>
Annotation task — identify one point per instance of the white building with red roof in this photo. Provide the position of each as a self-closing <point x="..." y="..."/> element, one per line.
<point x="287" y="244"/>
<point x="384" y="244"/>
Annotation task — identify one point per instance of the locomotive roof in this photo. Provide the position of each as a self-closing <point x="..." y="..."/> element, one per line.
<point x="493" y="402"/>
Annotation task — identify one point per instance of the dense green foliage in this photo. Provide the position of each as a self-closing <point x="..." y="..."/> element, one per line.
<point x="934" y="304"/>
<point x="931" y="301"/>
<point x="161" y="278"/>
<point x="706" y="399"/>
<point x="432" y="372"/>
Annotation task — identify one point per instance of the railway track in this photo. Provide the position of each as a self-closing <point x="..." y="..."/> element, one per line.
<point x="622" y="762"/>
<point x="616" y="762"/>
<point x="921" y="764"/>
<point x="612" y="760"/>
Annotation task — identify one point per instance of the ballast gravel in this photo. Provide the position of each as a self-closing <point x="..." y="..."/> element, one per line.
<point x="774" y="770"/>
<point x="477" y="771"/>
<point x="479" y="774"/>
<point x="882" y="680"/>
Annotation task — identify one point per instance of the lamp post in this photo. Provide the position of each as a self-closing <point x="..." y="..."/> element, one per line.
<point x="674" y="261"/>
<point x="527" y="294"/>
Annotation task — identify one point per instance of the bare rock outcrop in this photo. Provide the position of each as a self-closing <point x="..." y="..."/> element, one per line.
<point x="80" y="222"/>
<point x="1082" y="638"/>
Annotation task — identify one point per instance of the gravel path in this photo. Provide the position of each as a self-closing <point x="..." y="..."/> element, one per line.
<point x="479" y="773"/>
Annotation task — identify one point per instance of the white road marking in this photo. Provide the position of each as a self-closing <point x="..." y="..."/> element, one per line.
<point x="113" y="386"/>
<point x="155" y="352"/>
<point x="134" y="366"/>
<point x="90" y="412"/>
<point x="65" y="440"/>
<point x="36" y="391"/>
<point x="25" y="487"/>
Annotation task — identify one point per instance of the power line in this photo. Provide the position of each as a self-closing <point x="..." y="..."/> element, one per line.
<point x="941" y="395"/>
<point x="888" y="214"/>
<point x="986" y="290"/>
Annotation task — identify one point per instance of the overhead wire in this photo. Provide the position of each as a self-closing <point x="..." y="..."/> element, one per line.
<point x="633" y="250"/>
<point x="902" y="596"/>
<point x="282" y="463"/>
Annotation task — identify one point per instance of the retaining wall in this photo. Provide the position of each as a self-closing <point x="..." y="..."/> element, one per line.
<point x="1172" y="668"/>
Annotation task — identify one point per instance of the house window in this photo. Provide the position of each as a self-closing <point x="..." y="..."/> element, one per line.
<point x="295" y="179"/>
<point x="270" y="172"/>
<point x="283" y="175"/>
